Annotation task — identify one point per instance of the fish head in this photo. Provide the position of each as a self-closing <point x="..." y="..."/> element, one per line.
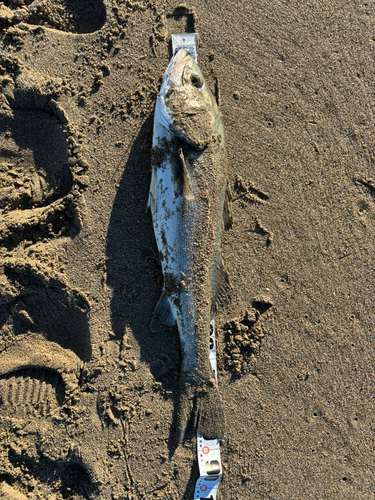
<point x="186" y="103"/>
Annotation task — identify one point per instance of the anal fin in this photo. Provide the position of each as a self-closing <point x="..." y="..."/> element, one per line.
<point x="163" y="315"/>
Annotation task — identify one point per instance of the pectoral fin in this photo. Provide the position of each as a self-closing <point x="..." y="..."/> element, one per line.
<point x="163" y="315"/>
<point x="181" y="176"/>
<point x="187" y="187"/>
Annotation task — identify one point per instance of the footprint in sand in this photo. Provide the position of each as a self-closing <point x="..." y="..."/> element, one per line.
<point x="44" y="342"/>
<point x="30" y="392"/>
<point x="36" y="179"/>
<point x="33" y="160"/>
<point x="44" y="331"/>
<point x="74" y="16"/>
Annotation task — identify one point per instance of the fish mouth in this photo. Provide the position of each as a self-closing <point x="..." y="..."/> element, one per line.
<point x="172" y="79"/>
<point x="177" y="67"/>
<point x="180" y="55"/>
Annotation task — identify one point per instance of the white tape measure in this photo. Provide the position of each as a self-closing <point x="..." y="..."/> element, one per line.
<point x="187" y="41"/>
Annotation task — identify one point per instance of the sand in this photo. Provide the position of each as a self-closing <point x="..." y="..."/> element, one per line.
<point x="87" y="391"/>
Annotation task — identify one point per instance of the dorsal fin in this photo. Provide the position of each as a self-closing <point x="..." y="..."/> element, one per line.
<point x="221" y="293"/>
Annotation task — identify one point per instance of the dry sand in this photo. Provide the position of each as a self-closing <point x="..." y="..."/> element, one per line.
<point x="87" y="391"/>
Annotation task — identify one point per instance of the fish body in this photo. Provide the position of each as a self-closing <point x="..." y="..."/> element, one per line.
<point x="190" y="205"/>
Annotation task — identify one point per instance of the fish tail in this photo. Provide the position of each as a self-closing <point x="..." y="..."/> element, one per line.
<point x="211" y="421"/>
<point x="200" y="409"/>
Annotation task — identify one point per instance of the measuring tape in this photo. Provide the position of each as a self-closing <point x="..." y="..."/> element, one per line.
<point x="208" y="450"/>
<point x="187" y="41"/>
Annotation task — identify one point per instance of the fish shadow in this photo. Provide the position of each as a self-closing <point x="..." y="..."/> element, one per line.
<point x="132" y="270"/>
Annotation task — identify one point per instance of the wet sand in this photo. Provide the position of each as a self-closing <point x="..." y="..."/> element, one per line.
<point x="87" y="391"/>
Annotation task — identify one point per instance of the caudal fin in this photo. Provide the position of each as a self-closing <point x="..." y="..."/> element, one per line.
<point x="200" y="407"/>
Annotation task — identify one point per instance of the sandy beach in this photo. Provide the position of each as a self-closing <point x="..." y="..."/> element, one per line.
<point x="88" y="392"/>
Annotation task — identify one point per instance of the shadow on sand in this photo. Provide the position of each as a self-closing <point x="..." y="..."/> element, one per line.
<point x="133" y="271"/>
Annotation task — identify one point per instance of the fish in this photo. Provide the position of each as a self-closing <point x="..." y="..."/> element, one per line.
<point x="190" y="205"/>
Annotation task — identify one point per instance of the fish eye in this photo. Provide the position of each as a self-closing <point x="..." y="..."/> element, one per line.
<point x="196" y="81"/>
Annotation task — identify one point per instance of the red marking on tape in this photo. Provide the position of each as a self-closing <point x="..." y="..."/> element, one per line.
<point x="205" y="450"/>
<point x="203" y="487"/>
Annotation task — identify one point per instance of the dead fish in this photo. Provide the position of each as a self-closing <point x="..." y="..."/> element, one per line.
<point x="190" y="205"/>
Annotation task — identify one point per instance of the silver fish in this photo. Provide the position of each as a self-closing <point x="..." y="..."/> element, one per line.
<point x="190" y="205"/>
